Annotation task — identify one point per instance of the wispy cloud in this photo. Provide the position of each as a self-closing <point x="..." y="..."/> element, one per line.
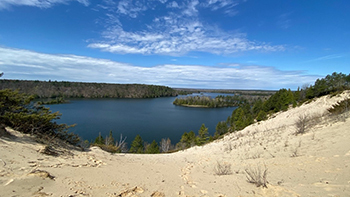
<point x="327" y="57"/>
<point x="173" y="4"/>
<point x="130" y="8"/>
<point x="175" y="32"/>
<point x="227" y="5"/>
<point x="17" y="63"/>
<point x="284" y="21"/>
<point x="37" y="3"/>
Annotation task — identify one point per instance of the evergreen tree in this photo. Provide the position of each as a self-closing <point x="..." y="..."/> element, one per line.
<point x="152" y="148"/>
<point x="261" y="116"/>
<point x="191" y="138"/>
<point x="203" y="135"/>
<point x="221" y="128"/>
<point x="187" y="140"/>
<point x="257" y="107"/>
<point x="99" y="139"/>
<point x="19" y="112"/>
<point x="137" y="145"/>
<point x="184" y="139"/>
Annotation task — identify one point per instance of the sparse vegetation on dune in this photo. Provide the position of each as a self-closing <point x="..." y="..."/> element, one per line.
<point x="257" y="176"/>
<point x="222" y="168"/>
<point x="340" y="107"/>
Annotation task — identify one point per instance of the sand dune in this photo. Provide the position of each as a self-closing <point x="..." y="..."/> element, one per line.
<point x="313" y="164"/>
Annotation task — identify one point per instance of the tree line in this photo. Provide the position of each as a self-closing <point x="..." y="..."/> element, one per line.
<point x="66" y="89"/>
<point x="218" y="101"/>
<point x="206" y="101"/>
<point x="138" y="145"/>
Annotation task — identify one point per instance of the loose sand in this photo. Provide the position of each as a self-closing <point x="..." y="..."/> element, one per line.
<point x="313" y="164"/>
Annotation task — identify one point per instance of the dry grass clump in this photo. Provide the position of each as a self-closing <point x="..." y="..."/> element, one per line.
<point x="257" y="176"/>
<point x="340" y="107"/>
<point x="340" y="110"/>
<point x="108" y="148"/>
<point x="222" y="168"/>
<point x="301" y="124"/>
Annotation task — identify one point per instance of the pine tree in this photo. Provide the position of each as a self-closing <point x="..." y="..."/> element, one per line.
<point x="21" y="113"/>
<point x="137" y="145"/>
<point x="191" y="138"/>
<point x="184" y="140"/>
<point x="261" y="116"/>
<point x="152" y="148"/>
<point x="203" y="135"/>
<point x="99" y="139"/>
<point x="221" y="128"/>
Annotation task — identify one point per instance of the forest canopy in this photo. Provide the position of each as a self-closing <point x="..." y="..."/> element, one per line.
<point x="66" y="89"/>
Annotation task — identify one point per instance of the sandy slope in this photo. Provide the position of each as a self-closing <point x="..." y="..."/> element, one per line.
<point x="314" y="164"/>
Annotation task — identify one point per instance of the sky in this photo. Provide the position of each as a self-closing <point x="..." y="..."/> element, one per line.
<point x="212" y="44"/>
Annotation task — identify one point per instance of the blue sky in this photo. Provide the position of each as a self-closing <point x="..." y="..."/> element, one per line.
<point x="221" y="44"/>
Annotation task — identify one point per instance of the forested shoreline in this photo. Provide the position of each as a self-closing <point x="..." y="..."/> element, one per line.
<point x="65" y="89"/>
<point x="218" y="101"/>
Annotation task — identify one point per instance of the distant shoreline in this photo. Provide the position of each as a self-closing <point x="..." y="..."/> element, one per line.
<point x="195" y="106"/>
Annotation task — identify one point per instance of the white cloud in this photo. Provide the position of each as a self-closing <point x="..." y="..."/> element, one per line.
<point x="177" y="32"/>
<point x="163" y="1"/>
<point x="130" y="8"/>
<point x="85" y="2"/>
<point x="190" y="8"/>
<point x="174" y="36"/>
<point x="24" y="64"/>
<point x="37" y="3"/>
<point x="218" y="4"/>
<point x="173" y="4"/>
<point x="228" y="6"/>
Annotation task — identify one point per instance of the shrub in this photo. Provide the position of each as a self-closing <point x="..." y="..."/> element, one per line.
<point x="222" y="169"/>
<point x="257" y="176"/>
<point x="301" y="124"/>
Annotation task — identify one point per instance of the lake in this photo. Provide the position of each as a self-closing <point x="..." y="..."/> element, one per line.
<point x="153" y="119"/>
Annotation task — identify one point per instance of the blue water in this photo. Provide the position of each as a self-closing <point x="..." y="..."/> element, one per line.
<point x="153" y="119"/>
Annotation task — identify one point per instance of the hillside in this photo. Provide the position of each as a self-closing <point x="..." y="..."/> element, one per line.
<point x="52" y="89"/>
<point x="313" y="164"/>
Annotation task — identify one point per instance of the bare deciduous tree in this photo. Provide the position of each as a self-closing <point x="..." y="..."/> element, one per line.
<point x="121" y="144"/>
<point x="165" y="145"/>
